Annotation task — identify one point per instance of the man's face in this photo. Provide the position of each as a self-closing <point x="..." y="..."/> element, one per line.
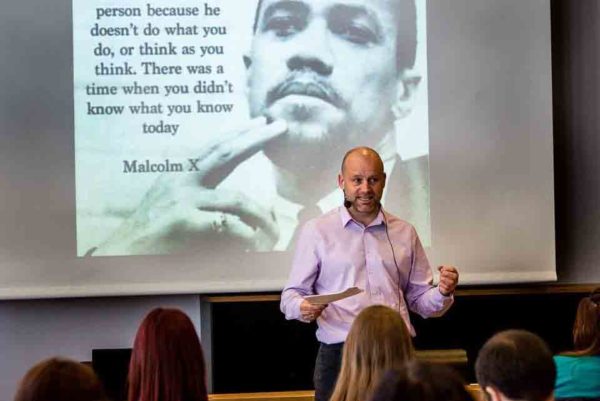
<point x="328" y="67"/>
<point x="362" y="179"/>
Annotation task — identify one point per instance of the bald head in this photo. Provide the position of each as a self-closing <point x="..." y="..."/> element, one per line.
<point x="362" y="179"/>
<point x="363" y="152"/>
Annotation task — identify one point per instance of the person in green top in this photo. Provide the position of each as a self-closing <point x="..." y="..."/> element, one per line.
<point x="578" y="371"/>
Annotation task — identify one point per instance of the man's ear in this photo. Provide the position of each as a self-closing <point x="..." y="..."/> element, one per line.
<point x="247" y="61"/>
<point x="407" y="87"/>
<point x="493" y="394"/>
<point x="341" y="181"/>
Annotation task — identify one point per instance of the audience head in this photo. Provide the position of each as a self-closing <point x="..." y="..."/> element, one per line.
<point x="422" y="381"/>
<point x="60" y="379"/>
<point x="586" y="330"/>
<point x="516" y="365"/>
<point x="378" y="341"/>
<point x="167" y="362"/>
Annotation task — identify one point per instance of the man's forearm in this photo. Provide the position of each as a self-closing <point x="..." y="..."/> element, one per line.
<point x="429" y="303"/>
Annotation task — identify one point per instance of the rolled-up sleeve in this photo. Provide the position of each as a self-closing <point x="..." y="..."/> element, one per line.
<point x="305" y="270"/>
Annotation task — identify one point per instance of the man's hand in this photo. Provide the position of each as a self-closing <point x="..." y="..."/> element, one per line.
<point x="310" y="311"/>
<point x="183" y="210"/>
<point x="448" y="280"/>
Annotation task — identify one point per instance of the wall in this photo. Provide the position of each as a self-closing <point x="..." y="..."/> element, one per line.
<point x="576" y="95"/>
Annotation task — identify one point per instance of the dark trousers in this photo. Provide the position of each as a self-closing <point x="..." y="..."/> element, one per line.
<point x="327" y="368"/>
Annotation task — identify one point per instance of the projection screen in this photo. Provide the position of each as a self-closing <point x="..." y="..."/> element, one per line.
<point x="172" y="147"/>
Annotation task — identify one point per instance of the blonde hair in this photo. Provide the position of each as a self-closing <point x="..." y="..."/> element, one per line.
<point x="378" y="341"/>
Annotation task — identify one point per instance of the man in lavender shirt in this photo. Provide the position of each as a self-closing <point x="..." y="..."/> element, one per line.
<point x="360" y="245"/>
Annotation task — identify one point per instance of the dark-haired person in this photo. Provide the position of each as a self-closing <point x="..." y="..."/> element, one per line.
<point x="360" y="244"/>
<point x="167" y="362"/>
<point x="516" y="365"/>
<point x="421" y="381"/>
<point x="322" y="76"/>
<point x="578" y="371"/>
<point x="59" y="379"/>
<point x="378" y="341"/>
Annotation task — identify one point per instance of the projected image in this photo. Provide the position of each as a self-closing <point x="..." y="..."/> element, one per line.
<point x="220" y="126"/>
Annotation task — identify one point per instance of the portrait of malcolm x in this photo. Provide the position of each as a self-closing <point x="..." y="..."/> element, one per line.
<point x="323" y="76"/>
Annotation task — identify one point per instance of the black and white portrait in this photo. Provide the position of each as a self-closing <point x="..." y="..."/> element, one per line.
<point x="311" y="79"/>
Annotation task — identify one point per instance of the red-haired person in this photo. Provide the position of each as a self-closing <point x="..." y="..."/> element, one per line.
<point x="167" y="362"/>
<point x="578" y="371"/>
<point x="60" y="379"/>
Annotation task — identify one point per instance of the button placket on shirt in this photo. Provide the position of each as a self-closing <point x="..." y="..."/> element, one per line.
<point x="375" y="291"/>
